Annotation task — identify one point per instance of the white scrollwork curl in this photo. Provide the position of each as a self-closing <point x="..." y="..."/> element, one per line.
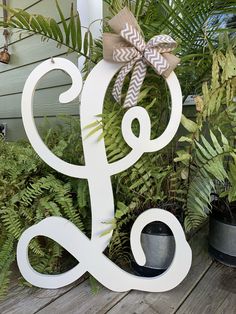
<point x="27" y="112"/>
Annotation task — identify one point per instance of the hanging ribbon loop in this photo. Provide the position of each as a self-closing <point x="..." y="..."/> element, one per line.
<point x="130" y="47"/>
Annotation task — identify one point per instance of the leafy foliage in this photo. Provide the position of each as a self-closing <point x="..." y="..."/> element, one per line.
<point x="195" y="25"/>
<point x="209" y="164"/>
<point x="209" y="155"/>
<point x="31" y="191"/>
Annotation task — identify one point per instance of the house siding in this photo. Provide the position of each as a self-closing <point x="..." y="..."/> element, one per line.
<point x="27" y="51"/>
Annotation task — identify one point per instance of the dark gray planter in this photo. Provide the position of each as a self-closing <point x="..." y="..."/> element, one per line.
<point x="222" y="241"/>
<point x="159" y="247"/>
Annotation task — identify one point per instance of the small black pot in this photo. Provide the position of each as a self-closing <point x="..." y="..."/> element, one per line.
<point x="159" y="247"/>
<point x="222" y="240"/>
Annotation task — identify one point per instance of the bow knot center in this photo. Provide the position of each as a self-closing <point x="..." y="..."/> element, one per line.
<point x="128" y="46"/>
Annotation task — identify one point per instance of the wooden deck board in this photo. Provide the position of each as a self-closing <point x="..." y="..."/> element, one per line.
<point x="216" y="293"/>
<point x="80" y="300"/>
<point x="209" y="288"/>
<point x="22" y="300"/>
<point x="228" y="306"/>
<point x="168" y="302"/>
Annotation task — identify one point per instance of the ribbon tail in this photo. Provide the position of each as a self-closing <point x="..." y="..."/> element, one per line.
<point x="117" y="89"/>
<point x="135" y="84"/>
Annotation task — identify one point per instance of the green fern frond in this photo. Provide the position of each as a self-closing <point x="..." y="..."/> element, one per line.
<point x="7" y="247"/>
<point x="222" y="88"/>
<point x="209" y="166"/>
<point x="31" y="191"/>
<point x="5" y="273"/>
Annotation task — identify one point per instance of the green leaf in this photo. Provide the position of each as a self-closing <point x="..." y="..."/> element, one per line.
<point x="79" y="35"/>
<point x="56" y="31"/>
<point x="43" y="25"/>
<point x="200" y="159"/>
<point x="224" y="140"/>
<point x="189" y="124"/>
<point x="122" y="210"/>
<point x="63" y="20"/>
<point x="95" y="285"/>
<point x="185" y="139"/>
<point x="203" y="151"/>
<point x="144" y="93"/>
<point x="207" y="145"/>
<point x="34" y="24"/>
<point x="108" y="231"/>
<point x="86" y="43"/>
<point x="185" y="173"/>
<point x="93" y="131"/>
<point x="183" y="157"/>
<point x="92" y="124"/>
<point x="15" y="23"/>
<point x="216" y="143"/>
<point x="21" y="18"/>
<point x="73" y="28"/>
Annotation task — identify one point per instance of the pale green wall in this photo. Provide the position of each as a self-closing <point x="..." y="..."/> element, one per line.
<point x="26" y="53"/>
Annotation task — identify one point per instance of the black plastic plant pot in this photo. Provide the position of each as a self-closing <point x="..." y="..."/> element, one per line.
<point x="222" y="241"/>
<point x="159" y="247"/>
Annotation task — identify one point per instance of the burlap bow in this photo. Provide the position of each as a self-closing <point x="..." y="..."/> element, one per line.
<point x="129" y="47"/>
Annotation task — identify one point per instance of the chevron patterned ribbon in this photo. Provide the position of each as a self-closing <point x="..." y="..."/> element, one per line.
<point x="130" y="47"/>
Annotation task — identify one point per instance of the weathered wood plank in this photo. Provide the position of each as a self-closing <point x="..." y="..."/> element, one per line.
<point x="203" y="291"/>
<point x="46" y="103"/>
<point x="13" y="82"/>
<point x="228" y="306"/>
<point x="140" y="302"/>
<point x="216" y="293"/>
<point x="80" y="300"/>
<point x="22" y="300"/>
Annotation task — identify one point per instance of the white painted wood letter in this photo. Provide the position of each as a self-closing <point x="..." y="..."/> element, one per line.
<point x="98" y="172"/>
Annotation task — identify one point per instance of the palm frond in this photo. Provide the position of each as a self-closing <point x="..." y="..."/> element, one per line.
<point x="66" y="33"/>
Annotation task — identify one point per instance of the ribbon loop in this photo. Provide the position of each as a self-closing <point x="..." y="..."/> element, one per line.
<point x="156" y="60"/>
<point x="164" y="43"/>
<point x="131" y="35"/>
<point x="130" y="47"/>
<point x="126" y="54"/>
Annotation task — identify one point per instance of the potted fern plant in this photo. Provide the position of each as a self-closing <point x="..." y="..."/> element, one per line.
<point x="209" y="158"/>
<point x="222" y="232"/>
